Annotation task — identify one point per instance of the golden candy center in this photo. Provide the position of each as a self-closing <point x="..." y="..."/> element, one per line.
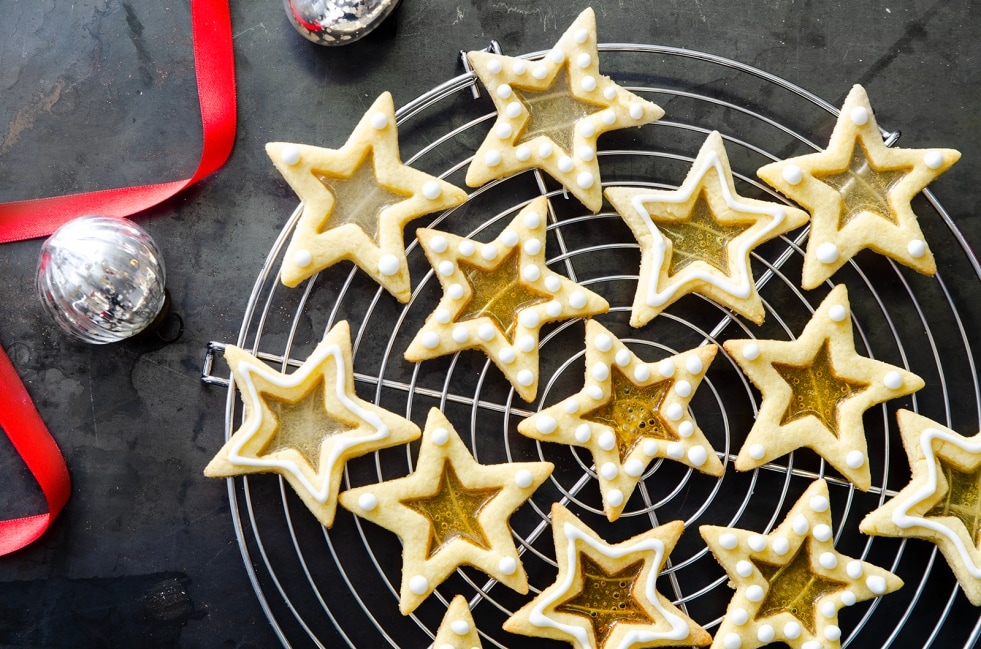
<point x="303" y="425"/>
<point x="633" y="412"/>
<point x="963" y="500"/>
<point x="553" y="112"/>
<point x="358" y="199"/>
<point x="864" y="187"/>
<point x="795" y="588"/>
<point x="453" y="511"/>
<point x="700" y="237"/>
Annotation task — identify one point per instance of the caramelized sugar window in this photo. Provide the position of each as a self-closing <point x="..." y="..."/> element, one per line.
<point x="795" y="588"/>
<point x="633" y="413"/>
<point x="358" y="199"/>
<point x="304" y="424"/>
<point x="864" y="187"/>
<point x="963" y="499"/>
<point x="553" y="112"/>
<point x="700" y="238"/>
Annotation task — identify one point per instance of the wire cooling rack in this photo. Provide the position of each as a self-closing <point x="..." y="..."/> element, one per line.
<point x="327" y="588"/>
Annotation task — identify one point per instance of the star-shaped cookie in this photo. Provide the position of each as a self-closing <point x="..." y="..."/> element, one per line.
<point x="605" y="595"/>
<point x="698" y="238"/>
<point x="450" y="512"/>
<point x="307" y="424"/>
<point x="815" y="390"/>
<point x="791" y="583"/>
<point x="858" y="192"/>
<point x="457" y="630"/>
<point x="356" y="201"/>
<point x="941" y="503"/>
<point x="497" y="295"/>
<point x="551" y="111"/>
<point x="628" y="413"/>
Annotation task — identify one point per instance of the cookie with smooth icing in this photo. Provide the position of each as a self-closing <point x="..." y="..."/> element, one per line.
<point x="791" y="583"/>
<point x="941" y="503"/>
<point x="550" y="112"/>
<point x="450" y="512"/>
<point x="605" y="595"/>
<point x="629" y="413"/>
<point x="497" y="296"/>
<point x="698" y="238"/>
<point x="859" y="193"/>
<point x="306" y="424"/>
<point x="356" y="202"/>
<point x="815" y="390"/>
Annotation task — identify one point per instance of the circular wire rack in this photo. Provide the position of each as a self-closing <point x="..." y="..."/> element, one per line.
<point x="329" y="587"/>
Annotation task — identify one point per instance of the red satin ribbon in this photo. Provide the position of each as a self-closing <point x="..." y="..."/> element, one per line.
<point x="214" y="67"/>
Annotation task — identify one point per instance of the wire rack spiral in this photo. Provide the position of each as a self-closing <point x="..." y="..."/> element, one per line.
<point x="327" y="588"/>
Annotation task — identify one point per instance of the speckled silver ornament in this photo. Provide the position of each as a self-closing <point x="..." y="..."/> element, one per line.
<point x="337" y="22"/>
<point x="101" y="278"/>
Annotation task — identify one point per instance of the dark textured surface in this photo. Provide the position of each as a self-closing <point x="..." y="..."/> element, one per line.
<point x="100" y="93"/>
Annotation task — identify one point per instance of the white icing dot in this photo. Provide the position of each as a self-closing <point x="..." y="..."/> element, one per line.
<point x="828" y="609"/>
<point x="419" y="585"/>
<point x="545" y="150"/>
<point x="525" y="378"/>
<point x="570" y="405"/>
<point x="388" y="265"/>
<point x="553" y="283"/>
<point x="600" y="371"/>
<point x="728" y="541"/>
<point x="822" y="532"/>
<point x="584" y="180"/>
<point x="506" y="355"/>
<point x="488" y="252"/>
<point x="532" y="220"/>
<point x="438" y="244"/>
<point x="666" y="368"/>
<point x="854" y="569"/>
<point x="440" y="436"/>
<point x="529" y="319"/>
<point x="522" y="153"/>
<point x="455" y="291"/>
<point x="504" y="91"/>
<point x="609" y="470"/>
<point x="503" y="131"/>
<point x="494" y="66"/>
<point x="492" y="158"/>
<point x="636" y="110"/>
<point x="531" y="272"/>
<point x="509" y="238"/>
<point x="607" y="440"/>
<point x="302" y="258"/>
<point x="650" y="447"/>
<point x="756" y="543"/>
<point x="686" y="429"/>
<point x="539" y="71"/>
<point x="765" y="633"/>
<point x="588" y="83"/>
<point x="466" y="248"/>
<point x="893" y="380"/>
<point x="800" y="524"/>
<point x="577" y="300"/>
<point x="751" y="351"/>
<point x="460" y="334"/>
<point x="545" y="424"/>
<point x="446" y="268"/>
<point x="739" y="616"/>
<point x="603" y="342"/>
<point x="556" y="56"/>
<point x="532" y="247"/>
<point x="697" y="455"/>
<point x="520" y="66"/>
<point x="811" y="644"/>
<point x="756" y="451"/>
<point x="566" y="164"/>
<point x="933" y="159"/>
<point x="827" y="253"/>
<point x="791" y="630"/>
<point x="581" y="35"/>
<point x="367" y="502"/>
<point x="442" y="315"/>
<point x="622" y="358"/>
<point x="859" y="115"/>
<point x="610" y="92"/>
<point x="754" y="593"/>
<point x="609" y="117"/>
<point x="819" y="504"/>
<point x="732" y="641"/>
<point x="614" y="497"/>
<point x="832" y="633"/>
<point x="507" y="565"/>
<point x="525" y="343"/>
<point x="523" y="478"/>
<point x="676" y="450"/>
<point x="694" y="364"/>
<point x="674" y="411"/>
<point x="876" y="584"/>
<point x="683" y="388"/>
<point x="837" y="313"/>
<point x="793" y="174"/>
<point x="781" y="545"/>
<point x="290" y="155"/>
<point x="828" y="560"/>
<point x="553" y="309"/>
<point x="379" y="120"/>
<point x="855" y="459"/>
<point x="429" y="339"/>
<point x="460" y="627"/>
<point x="916" y="248"/>
<point x="848" y="598"/>
<point x="744" y="568"/>
<point x="642" y="373"/>
<point x="486" y="332"/>
<point x="634" y="467"/>
<point x="583" y="433"/>
<point x="583" y="60"/>
<point x="431" y="190"/>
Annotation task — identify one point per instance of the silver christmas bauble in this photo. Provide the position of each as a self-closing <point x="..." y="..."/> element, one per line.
<point x="337" y="22"/>
<point x="101" y="278"/>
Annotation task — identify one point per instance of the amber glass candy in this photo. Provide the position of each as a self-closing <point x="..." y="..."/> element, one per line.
<point x="700" y="237"/>
<point x="633" y="413"/>
<point x="303" y="425"/>
<point x="794" y="588"/>
<point x="453" y="511"/>
<point x="864" y="187"/>
<point x="817" y="390"/>
<point x="358" y="199"/>
<point x="553" y="112"/>
<point x="963" y="499"/>
<point x="498" y="293"/>
<point x="606" y="599"/>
